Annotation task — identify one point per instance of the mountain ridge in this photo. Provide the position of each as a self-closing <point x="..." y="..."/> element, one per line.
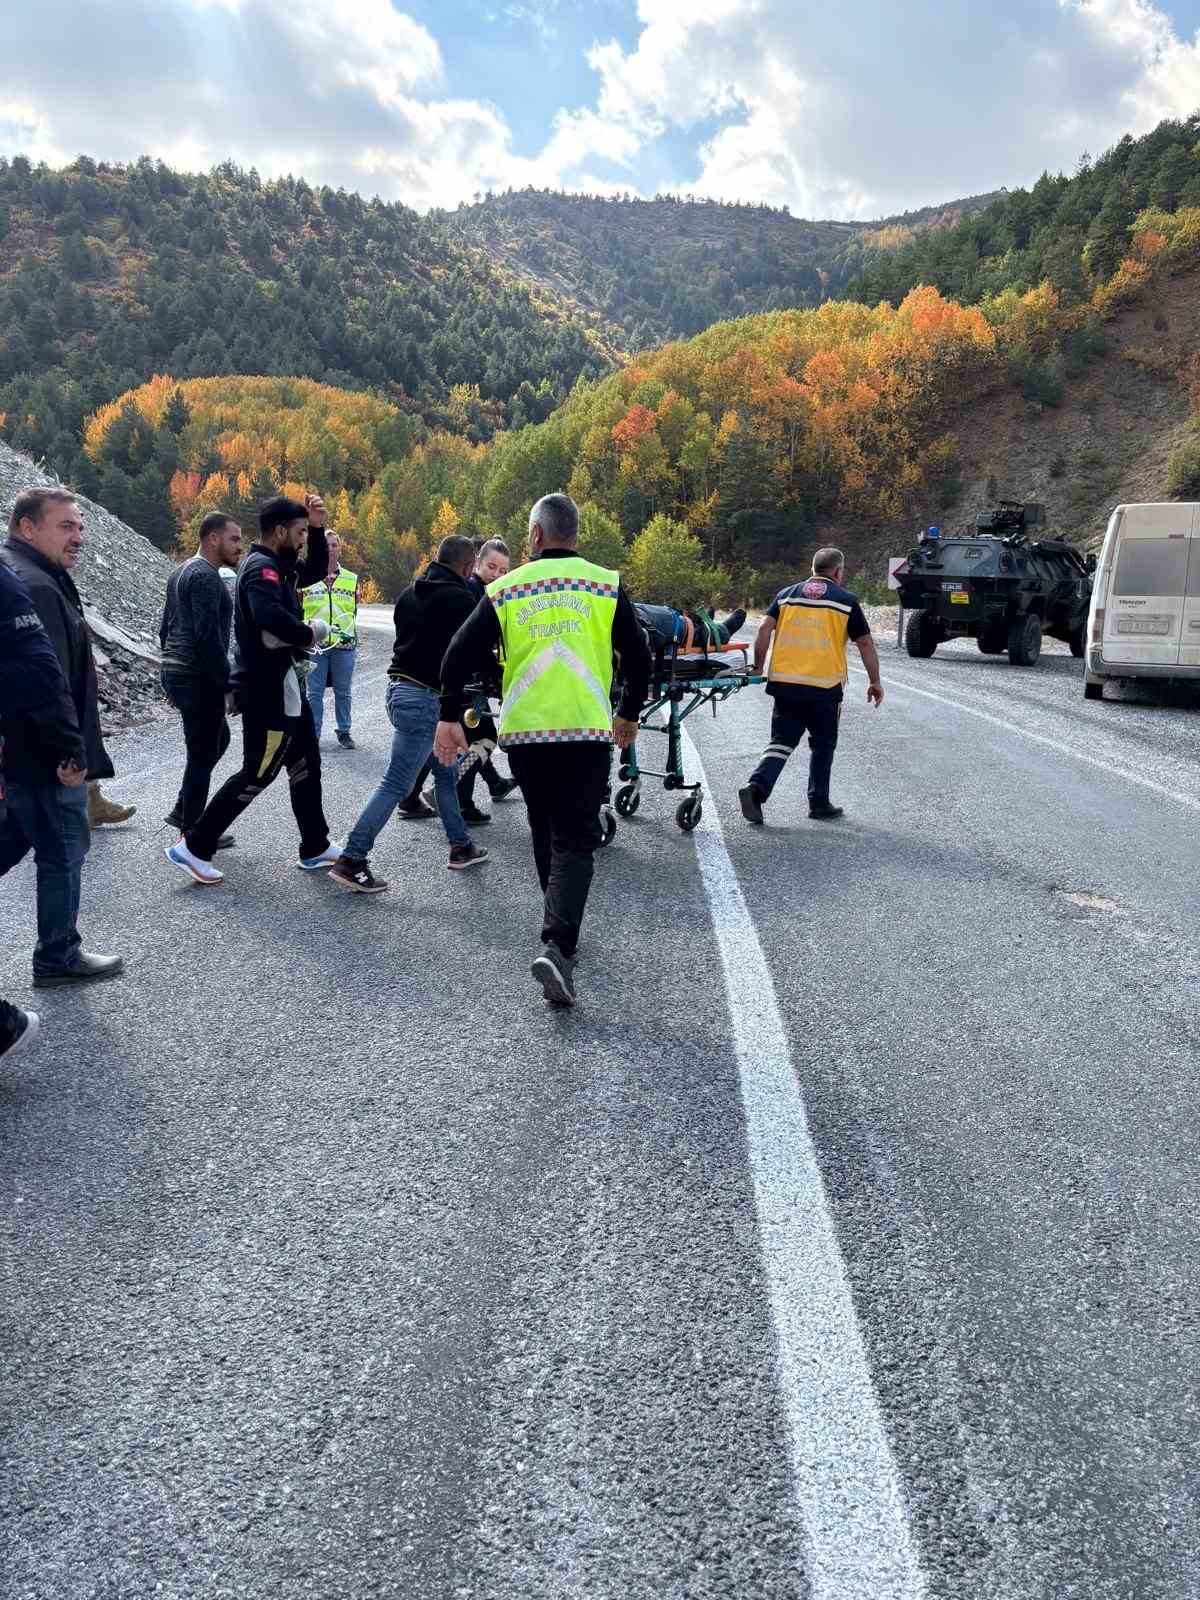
<point x="701" y="261"/>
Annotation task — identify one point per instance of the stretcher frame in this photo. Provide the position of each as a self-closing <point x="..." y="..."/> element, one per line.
<point x="680" y="693"/>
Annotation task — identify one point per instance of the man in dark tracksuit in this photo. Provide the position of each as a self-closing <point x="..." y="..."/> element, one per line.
<point x="194" y="635"/>
<point x="277" y="725"/>
<point x="51" y="729"/>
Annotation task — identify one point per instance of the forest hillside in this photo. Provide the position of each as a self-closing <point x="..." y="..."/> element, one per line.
<point x="110" y="274"/>
<point x="642" y="272"/>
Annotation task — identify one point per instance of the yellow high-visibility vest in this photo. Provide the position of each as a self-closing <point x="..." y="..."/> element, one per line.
<point x="811" y="635"/>
<point x="556" y="622"/>
<point x="336" y="604"/>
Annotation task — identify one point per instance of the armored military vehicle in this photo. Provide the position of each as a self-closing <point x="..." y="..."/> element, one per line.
<point x="998" y="586"/>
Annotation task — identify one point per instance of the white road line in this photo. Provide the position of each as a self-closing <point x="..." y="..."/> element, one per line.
<point x="1057" y="745"/>
<point x="847" y="1484"/>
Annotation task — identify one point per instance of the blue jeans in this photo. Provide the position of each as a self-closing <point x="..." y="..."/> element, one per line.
<point x="50" y="820"/>
<point x="334" y="667"/>
<point x="413" y="713"/>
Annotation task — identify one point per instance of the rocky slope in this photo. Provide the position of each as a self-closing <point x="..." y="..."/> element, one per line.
<point x="1107" y="443"/>
<point x="121" y="578"/>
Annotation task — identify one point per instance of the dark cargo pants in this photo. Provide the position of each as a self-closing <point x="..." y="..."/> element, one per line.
<point x="798" y="711"/>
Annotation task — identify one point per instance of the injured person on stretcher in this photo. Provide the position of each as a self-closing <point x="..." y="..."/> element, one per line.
<point x="687" y="630"/>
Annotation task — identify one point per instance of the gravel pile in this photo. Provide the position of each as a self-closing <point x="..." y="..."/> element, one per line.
<point x="122" y="578"/>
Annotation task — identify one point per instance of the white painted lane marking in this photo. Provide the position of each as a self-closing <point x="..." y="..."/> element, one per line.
<point x="847" y="1484"/>
<point x="1111" y="767"/>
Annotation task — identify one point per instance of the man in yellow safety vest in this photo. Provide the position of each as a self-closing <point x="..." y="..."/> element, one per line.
<point x="335" y="602"/>
<point x="813" y="622"/>
<point x="555" y="622"/>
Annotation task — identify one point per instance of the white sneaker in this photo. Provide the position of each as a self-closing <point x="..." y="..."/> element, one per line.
<point x="322" y="863"/>
<point x="202" y="871"/>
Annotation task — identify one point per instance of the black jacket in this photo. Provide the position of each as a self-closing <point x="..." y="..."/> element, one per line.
<point x="39" y="726"/>
<point x="475" y="645"/>
<point x="56" y="601"/>
<point x="194" y="632"/>
<point x="427" y="616"/>
<point x="268" y="601"/>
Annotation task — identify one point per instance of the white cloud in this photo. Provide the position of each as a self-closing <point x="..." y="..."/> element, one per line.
<point x="350" y="94"/>
<point x="877" y="107"/>
<point x="860" y="109"/>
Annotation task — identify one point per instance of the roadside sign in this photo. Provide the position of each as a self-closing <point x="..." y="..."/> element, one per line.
<point x="893" y="563"/>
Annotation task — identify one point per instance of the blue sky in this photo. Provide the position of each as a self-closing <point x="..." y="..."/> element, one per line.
<point x="861" y="109"/>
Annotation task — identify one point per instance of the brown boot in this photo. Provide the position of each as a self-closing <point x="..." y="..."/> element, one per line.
<point x="102" y="811"/>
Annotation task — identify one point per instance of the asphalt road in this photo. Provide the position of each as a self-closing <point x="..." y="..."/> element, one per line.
<point x="335" y="1265"/>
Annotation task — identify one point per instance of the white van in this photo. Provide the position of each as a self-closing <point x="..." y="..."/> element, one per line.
<point x="1144" y="620"/>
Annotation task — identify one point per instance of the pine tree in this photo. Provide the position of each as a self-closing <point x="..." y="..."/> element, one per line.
<point x="150" y="511"/>
<point x="177" y="415"/>
<point x="116" y="492"/>
<point x="1170" y="177"/>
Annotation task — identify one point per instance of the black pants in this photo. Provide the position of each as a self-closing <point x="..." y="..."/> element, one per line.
<point x="798" y="711"/>
<point x="563" y="786"/>
<point x="266" y="750"/>
<point x="201" y="704"/>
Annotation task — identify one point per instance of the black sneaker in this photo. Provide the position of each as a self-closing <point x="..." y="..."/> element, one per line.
<point x="17" y="1029"/>
<point x="556" y="974"/>
<point x="418" y="811"/>
<point x="356" y="876"/>
<point x="473" y="817"/>
<point x="751" y="801"/>
<point x="346" y="742"/>
<point x="822" y="811"/>
<point x="466" y="855"/>
<point x="503" y="788"/>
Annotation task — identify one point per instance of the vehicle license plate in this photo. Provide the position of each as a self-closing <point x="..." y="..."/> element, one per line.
<point x="1143" y="625"/>
<point x="952" y="588"/>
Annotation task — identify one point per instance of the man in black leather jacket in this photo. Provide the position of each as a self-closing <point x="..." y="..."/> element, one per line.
<point x="50" y="719"/>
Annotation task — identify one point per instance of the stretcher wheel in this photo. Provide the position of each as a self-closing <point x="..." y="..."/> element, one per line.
<point x="628" y="799"/>
<point x="608" y="827"/>
<point x="689" y="812"/>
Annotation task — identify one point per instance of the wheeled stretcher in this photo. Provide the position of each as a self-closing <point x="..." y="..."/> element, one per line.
<point x="681" y="682"/>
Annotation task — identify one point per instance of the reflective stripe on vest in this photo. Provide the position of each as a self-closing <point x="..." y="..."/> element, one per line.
<point x="810" y="640"/>
<point x="335" y="605"/>
<point x="556" y="620"/>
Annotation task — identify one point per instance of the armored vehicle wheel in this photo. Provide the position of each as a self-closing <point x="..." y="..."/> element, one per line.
<point x="1078" y="641"/>
<point x="688" y="813"/>
<point x="992" y="643"/>
<point x="1025" y="640"/>
<point x="628" y="799"/>
<point x="920" y="636"/>
<point x="1093" y="691"/>
<point x="608" y="827"/>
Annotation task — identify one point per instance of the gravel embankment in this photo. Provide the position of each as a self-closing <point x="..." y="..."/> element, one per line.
<point x="121" y="577"/>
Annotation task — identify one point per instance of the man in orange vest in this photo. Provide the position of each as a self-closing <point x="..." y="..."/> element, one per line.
<point x="812" y="623"/>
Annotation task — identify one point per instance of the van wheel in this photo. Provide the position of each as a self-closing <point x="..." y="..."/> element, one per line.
<point x="1025" y="640"/>
<point x="1093" y="691"/>
<point x="1077" y="642"/>
<point x="920" y="636"/>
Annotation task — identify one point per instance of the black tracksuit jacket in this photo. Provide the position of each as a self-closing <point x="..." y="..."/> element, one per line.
<point x="268" y="601"/>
